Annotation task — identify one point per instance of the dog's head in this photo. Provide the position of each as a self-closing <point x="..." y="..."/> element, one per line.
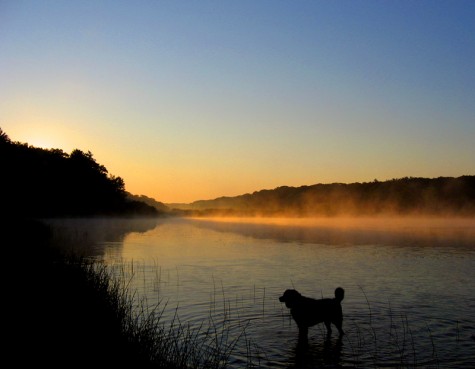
<point x="339" y="294"/>
<point x="290" y="297"/>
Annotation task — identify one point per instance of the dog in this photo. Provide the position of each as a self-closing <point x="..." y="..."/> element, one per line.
<point x="308" y="312"/>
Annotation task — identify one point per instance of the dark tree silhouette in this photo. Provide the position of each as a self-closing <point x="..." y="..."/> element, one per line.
<point x="49" y="183"/>
<point x="4" y="139"/>
<point x="404" y="196"/>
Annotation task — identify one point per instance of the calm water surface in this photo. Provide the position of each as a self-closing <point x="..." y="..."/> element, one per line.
<point x="410" y="291"/>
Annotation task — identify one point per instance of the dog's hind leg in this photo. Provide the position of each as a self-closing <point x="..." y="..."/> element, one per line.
<point x="329" y="327"/>
<point x="303" y="332"/>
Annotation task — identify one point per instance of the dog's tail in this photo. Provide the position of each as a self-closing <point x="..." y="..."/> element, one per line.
<point x="339" y="294"/>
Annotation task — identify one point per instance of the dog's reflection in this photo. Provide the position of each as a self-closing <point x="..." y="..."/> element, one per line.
<point x="310" y="353"/>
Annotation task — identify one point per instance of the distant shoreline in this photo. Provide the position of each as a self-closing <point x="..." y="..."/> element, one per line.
<point x="409" y="196"/>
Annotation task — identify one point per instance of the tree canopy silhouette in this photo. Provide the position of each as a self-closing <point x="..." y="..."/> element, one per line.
<point x="49" y="183"/>
<point x="443" y="196"/>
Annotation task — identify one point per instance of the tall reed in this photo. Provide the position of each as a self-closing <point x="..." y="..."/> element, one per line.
<point x="164" y="344"/>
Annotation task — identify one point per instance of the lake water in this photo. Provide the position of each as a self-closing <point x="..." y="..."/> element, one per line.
<point x="409" y="284"/>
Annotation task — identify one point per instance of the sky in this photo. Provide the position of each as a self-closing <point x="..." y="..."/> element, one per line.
<point x="193" y="100"/>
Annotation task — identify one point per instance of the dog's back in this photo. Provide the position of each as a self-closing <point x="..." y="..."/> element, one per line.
<point x="310" y="311"/>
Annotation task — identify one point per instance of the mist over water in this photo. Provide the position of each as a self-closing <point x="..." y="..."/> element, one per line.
<point x="409" y="302"/>
<point x="401" y="231"/>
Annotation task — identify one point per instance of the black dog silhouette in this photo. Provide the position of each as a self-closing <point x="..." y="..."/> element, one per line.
<point x="307" y="311"/>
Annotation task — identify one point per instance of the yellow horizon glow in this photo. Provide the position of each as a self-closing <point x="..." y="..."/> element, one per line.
<point x="161" y="178"/>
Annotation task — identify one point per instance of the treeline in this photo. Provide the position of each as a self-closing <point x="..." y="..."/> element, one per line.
<point x="160" y="206"/>
<point x="38" y="182"/>
<point x="443" y="196"/>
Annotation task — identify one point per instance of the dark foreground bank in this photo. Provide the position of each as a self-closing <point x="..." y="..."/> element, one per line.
<point x="63" y="311"/>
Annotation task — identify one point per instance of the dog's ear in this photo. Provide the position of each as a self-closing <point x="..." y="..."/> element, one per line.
<point x="295" y="294"/>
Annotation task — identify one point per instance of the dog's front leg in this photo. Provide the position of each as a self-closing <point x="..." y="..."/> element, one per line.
<point x="338" y="324"/>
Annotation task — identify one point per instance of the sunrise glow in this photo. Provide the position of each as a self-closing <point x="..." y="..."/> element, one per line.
<point x="191" y="100"/>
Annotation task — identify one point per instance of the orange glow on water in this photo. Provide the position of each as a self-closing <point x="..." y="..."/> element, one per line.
<point x="337" y="229"/>
<point x="350" y="222"/>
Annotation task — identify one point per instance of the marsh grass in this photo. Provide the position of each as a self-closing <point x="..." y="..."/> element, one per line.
<point x="67" y="310"/>
<point x="389" y="343"/>
<point x="148" y="337"/>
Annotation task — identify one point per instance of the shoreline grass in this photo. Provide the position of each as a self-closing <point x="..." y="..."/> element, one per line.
<point x="68" y="310"/>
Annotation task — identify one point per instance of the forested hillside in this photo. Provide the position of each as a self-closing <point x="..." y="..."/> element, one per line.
<point x="405" y="196"/>
<point x="38" y="182"/>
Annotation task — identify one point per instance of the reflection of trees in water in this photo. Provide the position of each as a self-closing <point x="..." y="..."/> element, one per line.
<point x="87" y="237"/>
<point x="459" y="234"/>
